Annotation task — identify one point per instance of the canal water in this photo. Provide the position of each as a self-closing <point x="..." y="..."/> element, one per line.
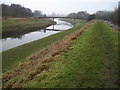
<point x="10" y="42"/>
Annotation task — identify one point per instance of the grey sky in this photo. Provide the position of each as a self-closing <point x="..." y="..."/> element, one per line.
<point x="66" y="6"/>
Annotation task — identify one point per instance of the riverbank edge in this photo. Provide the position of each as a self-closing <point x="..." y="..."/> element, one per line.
<point x="18" y="54"/>
<point x="17" y="32"/>
<point x="72" y="21"/>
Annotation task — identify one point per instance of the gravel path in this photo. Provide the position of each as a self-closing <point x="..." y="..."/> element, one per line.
<point x="115" y="26"/>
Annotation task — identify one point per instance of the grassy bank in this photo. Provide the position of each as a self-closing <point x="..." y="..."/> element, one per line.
<point x="92" y="61"/>
<point x="14" y="27"/>
<point x="72" y="21"/>
<point x="12" y="57"/>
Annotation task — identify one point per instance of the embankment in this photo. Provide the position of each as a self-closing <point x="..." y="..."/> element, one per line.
<point x="41" y="56"/>
<point x="15" y="27"/>
<point x="12" y="57"/>
<point x="87" y="58"/>
<point x="72" y="21"/>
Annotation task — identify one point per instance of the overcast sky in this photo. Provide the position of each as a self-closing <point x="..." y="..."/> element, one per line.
<point x="66" y="6"/>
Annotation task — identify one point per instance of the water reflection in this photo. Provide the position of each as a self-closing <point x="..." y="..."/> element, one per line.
<point x="12" y="42"/>
<point x="19" y="37"/>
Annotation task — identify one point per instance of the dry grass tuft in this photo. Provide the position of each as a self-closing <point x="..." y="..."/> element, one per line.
<point x="20" y="19"/>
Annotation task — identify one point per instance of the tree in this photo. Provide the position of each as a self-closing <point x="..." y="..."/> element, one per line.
<point x="104" y="15"/>
<point x="91" y="17"/>
<point x="38" y="13"/>
<point x="81" y="14"/>
<point x="71" y="15"/>
<point x="15" y="10"/>
<point x="5" y="10"/>
<point x="115" y="15"/>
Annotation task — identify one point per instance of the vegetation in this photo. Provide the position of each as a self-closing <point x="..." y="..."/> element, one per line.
<point x="15" y="27"/>
<point x="105" y="15"/>
<point x="115" y="16"/>
<point x="15" y="10"/>
<point x="38" y="13"/>
<point x="72" y="21"/>
<point x="12" y="57"/>
<point x="80" y="57"/>
<point x="91" y="62"/>
<point x="81" y="14"/>
<point x="111" y="16"/>
<point x="91" y="17"/>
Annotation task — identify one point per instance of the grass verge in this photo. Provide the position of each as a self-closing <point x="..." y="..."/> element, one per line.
<point x="72" y="21"/>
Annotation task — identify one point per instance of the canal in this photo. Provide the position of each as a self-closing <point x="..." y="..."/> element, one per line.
<point x="8" y="43"/>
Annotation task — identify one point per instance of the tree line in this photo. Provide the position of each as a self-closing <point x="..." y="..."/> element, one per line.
<point x="104" y="15"/>
<point x="16" y="10"/>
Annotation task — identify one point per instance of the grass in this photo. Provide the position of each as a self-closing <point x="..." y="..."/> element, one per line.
<point x="13" y="27"/>
<point x="84" y="65"/>
<point x="0" y="28"/>
<point x="91" y="62"/>
<point x="12" y="57"/>
<point x="72" y="21"/>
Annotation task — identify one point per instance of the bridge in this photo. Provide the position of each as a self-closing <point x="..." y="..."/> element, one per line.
<point x="53" y="17"/>
<point x="58" y="17"/>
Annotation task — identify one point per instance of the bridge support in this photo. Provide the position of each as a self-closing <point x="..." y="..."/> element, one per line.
<point x="53" y="23"/>
<point x="44" y="30"/>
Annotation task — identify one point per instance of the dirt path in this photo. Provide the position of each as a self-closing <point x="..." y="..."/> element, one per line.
<point x="109" y="80"/>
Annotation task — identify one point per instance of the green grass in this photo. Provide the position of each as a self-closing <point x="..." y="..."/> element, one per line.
<point x="12" y="57"/>
<point x="0" y="28"/>
<point x="83" y="65"/>
<point x="72" y="21"/>
<point x="17" y="26"/>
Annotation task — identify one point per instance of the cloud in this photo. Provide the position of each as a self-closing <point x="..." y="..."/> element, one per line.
<point x="91" y="0"/>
